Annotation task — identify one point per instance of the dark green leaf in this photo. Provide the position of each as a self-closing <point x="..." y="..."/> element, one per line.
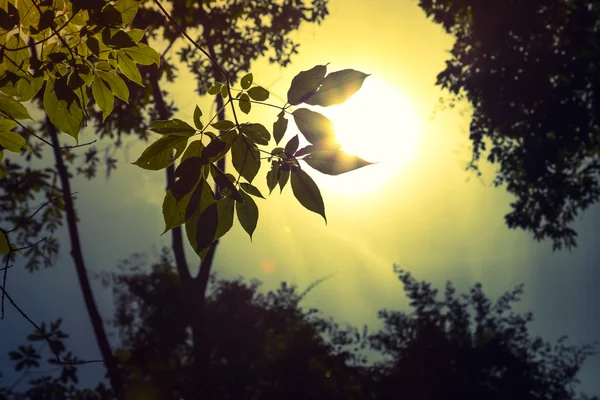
<point x="218" y="147"/>
<point x="159" y="154"/>
<point x="174" y="211"/>
<point x="201" y="198"/>
<point x="315" y="127"/>
<point x="93" y="44"/>
<point x="4" y="246"/>
<point x="272" y="176"/>
<point x="307" y="192"/>
<point x="279" y="127"/>
<point x="223" y="125"/>
<point x="187" y="176"/>
<point x="198" y="118"/>
<point x="245" y="104"/>
<point x="225" y="209"/>
<point x="224" y="91"/>
<point x="121" y="40"/>
<point x="257" y="133"/>
<point x="174" y="127"/>
<point x="292" y="146"/>
<point x="337" y="87"/>
<point x="305" y="83"/>
<point x="225" y="185"/>
<point x="334" y="162"/>
<point x="246" y="81"/>
<point x="215" y="88"/>
<point x="247" y="213"/>
<point x="246" y="158"/>
<point x="206" y="228"/>
<point x="253" y="190"/>
<point x="103" y="96"/>
<point x="258" y="93"/>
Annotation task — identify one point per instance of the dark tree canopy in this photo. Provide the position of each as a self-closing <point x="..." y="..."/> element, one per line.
<point x="265" y="345"/>
<point x="530" y="71"/>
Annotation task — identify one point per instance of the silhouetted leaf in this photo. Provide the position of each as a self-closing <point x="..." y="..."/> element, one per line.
<point x="307" y="192"/>
<point x="246" y="81"/>
<point x="223" y="125"/>
<point x="245" y="104"/>
<point x="258" y="93"/>
<point x="272" y="176"/>
<point x="337" y="87"/>
<point x="247" y="213"/>
<point x="284" y="176"/>
<point x="206" y="227"/>
<point x="174" y="127"/>
<point x="198" y="118"/>
<point x="305" y="83"/>
<point x="159" y="154"/>
<point x="292" y="146"/>
<point x="187" y="176"/>
<point x="279" y="127"/>
<point x="257" y="133"/>
<point x="246" y="158"/>
<point x="224" y="184"/>
<point x="315" y="127"/>
<point x="334" y="162"/>
<point x="253" y="190"/>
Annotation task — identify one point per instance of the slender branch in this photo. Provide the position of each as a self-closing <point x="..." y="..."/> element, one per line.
<point x="79" y="145"/>
<point x="266" y="104"/>
<point x="46" y="39"/>
<point x="32" y="245"/>
<point x="38" y="210"/>
<point x="27" y="129"/>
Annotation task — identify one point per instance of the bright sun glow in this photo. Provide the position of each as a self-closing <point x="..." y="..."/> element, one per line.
<point x="378" y="124"/>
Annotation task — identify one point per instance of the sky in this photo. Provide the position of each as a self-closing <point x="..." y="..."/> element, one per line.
<point x="417" y="208"/>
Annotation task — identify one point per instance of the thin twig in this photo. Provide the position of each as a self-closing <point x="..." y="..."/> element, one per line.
<point x="27" y="129"/>
<point x="38" y="210"/>
<point x="79" y="145"/>
<point x="32" y="245"/>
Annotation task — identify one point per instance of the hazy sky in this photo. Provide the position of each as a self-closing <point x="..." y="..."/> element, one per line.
<point x="417" y="208"/>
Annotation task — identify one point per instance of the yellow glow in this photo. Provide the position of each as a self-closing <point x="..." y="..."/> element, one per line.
<point x="379" y="124"/>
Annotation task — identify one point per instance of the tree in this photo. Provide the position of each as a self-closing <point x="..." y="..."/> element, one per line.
<point x="459" y="346"/>
<point x="81" y="50"/>
<point x="530" y="73"/>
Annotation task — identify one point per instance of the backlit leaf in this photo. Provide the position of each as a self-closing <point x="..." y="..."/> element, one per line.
<point x="143" y="54"/>
<point x="103" y="96"/>
<point x="284" y="176"/>
<point x="337" y="87"/>
<point x="247" y="213"/>
<point x="187" y="176"/>
<point x="174" y="211"/>
<point x="225" y="210"/>
<point x="246" y="81"/>
<point x="198" y="118"/>
<point x="12" y="141"/>
<point x="224" y="184"/>
<point x="245" y="104"/>
<point x="159" y="154"/>
<point x="258" y="93"/>
<point x="315" y="127"/>
<point x="13" y="108"/>
<point x="128" y="10"/>
<point x="307" y="192"/>
<point x="305" y="83"/>
<point x="7" y="124"/>
<point x="257" y="133"/>
<point x="174" y="127"/>
<point x="334" y="162"/>
<point x="272" y="176"/>
<point x="292" y="146"/>
<point x="202" y="197"/>
<point x="62" y="107"/>
<point x="116" y="83"/>
<point x="250" y="189"/>
<point x="129" y="69"/>
<point x="206" y="227"/>
<point x="246" y="158"/>
<point x="279" y="127"/>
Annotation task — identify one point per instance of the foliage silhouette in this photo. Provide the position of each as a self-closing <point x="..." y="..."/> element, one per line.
<point x="530" y="73"/>
<point x="266" y="346"/>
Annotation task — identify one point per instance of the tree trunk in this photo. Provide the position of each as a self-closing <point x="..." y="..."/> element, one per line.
<point x="110" y="362"/>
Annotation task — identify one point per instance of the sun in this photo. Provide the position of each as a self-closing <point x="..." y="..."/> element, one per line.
<point x="378" y="124"/>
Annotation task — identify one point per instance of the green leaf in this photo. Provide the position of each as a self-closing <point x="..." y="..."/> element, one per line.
<point x="258" y="93"/>
<point x="253" y="190"/>
<point x="174" y="211"/>
<point x="7" y="125"/>
<point x="116" y="84"/>
<point x="62" y="107"/>
<point x="223" y="125"/>
<point x="334" y="162"/>
<point x="198" y="118"/>
<point x="307" y="192"/>
<point x="93" y="44"/>
<point x="215" y="88"/>
<point x="13" y="108"/>
<point x="284" y="176"/>
<point x="103" y="96"/>
<point x="245" y="104"/>
<point x="28" y="87"/>
<point x="224" y="91"/>
<point x="159" y="154"/>
<point x="257" y="133"/>
<point x="202" y="197"/>
<point x="279" y="127"/>
<point x="121" y="40"/>
<point x="187" y="176"/>
<point x="12" y="141"/>
<point x="174" y="127"/>
<point x="136" y="34"/>
<point x="337" y="87"/>
<point x="203" y="233"/>
<point x="305" y="83"/>
<point x="4" y="247"/>
<point x="143" y="54"/>
<point x="225" y="210"/>
<point x="129" y="69"/>
<point x="246" y="81"/>
<point x="246" y="158"/>
<point x="247" y="213"/>
<point x="224" y="184"/>
<point x="315" y="127"/>
<point x="292" y="146"/>
<point x="272" y="176"/>
<point x="218" y="147"/>
<point x="128" y="10"/>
